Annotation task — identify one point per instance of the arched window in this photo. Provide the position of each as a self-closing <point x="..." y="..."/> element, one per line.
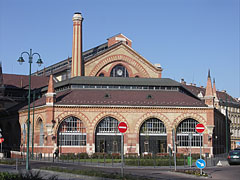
<point x="71" y="132"/>
<point x="186" y="132"/>
<point x="153" y="137"/>
<point x="41" y="133"/>
<point x="107" y="136"/>
<point x="107" y="125"/>
<point x="101" y="75"/>
<point x="119" y="71"/>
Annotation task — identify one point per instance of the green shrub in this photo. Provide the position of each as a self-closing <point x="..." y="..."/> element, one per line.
<point x="27" y="176"/>
<point x="82" y="156"/>
<point x="98" y="155"/>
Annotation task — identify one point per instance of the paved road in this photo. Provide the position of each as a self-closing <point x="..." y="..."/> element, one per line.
<point x="158" y="173"/>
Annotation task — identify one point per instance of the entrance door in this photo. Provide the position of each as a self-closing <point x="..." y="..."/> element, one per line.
<point x="102" y="146"/>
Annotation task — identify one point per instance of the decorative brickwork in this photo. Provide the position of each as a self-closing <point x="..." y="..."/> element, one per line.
<point x="119" y="57"/>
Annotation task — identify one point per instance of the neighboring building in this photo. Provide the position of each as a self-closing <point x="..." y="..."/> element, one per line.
<point x="226" y="105"/>
<point x="89" y="94"/>
<point x="13" y="96"/>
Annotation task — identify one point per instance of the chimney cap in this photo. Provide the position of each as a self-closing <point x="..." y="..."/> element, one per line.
<point x="77" y="16"/>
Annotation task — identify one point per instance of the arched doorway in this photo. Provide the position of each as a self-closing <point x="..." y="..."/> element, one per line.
<point x="71" y="132"/>
<point x="107" y="136"/>
<point x="185" y="130"/>
<point x="153" y="137"/>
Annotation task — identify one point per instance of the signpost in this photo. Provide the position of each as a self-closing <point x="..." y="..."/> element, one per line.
<point x="200" y="128"/>
<point x="1" y="139"/>
<point x="122" y="127"/>
<point x="190" y="136"/>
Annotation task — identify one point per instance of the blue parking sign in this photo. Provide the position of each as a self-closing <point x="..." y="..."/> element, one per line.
<point x="200" y="163"/>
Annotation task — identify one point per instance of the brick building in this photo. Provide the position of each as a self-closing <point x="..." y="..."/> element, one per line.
<point x="82" y="99"/>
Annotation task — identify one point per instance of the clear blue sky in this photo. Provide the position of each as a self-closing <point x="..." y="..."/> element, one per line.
<point x="187" y="37"/>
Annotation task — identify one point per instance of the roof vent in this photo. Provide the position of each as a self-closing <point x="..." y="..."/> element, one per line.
<point x="107" y="95"/>
<point x="149" y="96"/>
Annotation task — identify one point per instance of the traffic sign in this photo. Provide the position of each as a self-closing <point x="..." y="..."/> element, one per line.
<point x="200" y="128"/>
<point x="200" y="163"/>
<point x="122" y="127"/>
<point x="1" y="140"/>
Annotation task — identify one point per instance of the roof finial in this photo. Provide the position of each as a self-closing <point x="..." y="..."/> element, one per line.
<point x="209" y="73"/>
<point x="1" y="76"/>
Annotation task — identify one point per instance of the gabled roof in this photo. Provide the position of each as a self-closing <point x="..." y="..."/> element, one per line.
<point x="22" y="81"/>
<point x="222" y="95"/>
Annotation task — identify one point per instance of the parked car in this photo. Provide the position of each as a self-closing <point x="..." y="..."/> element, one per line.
<point x="234" y="157"/>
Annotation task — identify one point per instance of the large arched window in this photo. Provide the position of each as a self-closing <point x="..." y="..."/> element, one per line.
<point x="71" y="132"/>
<point x="153" y="137"/>
<point x="186" y="133"/>
<point x="119" y="71"/>
<point x="107" y="136"/>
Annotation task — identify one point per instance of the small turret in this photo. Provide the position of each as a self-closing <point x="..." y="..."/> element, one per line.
<point x="51" y="95"/>
<point x="209" y="98"/>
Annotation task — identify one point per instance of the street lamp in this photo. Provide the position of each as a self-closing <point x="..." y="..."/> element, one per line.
<point x="39" y="62"/>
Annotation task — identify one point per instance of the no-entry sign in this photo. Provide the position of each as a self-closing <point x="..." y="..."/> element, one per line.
<point x="200" y="128"/>
<point x="122" y="127"/>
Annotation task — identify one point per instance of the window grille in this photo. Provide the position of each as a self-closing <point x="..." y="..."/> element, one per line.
<point x="153" y="126"/>
<point x="185" y="128"/>
<point x="108" y="125"/>
<point x="72" y="132"/>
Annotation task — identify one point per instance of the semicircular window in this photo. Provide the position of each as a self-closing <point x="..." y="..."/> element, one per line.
<point x="71" y="132"/>
<point x="119" y="71"/>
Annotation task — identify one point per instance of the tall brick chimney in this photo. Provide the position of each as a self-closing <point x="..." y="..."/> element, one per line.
<point x="77" y="60"/>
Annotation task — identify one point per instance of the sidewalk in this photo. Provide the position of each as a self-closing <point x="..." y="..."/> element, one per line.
<point x="47" y="174"/>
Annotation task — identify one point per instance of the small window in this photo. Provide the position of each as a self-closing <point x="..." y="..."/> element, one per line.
<point x="101" y="75"/>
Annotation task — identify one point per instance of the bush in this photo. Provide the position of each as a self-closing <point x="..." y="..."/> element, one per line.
<point x="115" y="156"/>
<point x="27" y="176"/>
<point x="98" y="155"/>
<point x="82" y="156"/>
<point x="68" y="156"/>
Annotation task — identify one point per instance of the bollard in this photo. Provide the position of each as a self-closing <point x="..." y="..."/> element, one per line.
<point x="138" y="161"/>
<point x="184" y="160"/>
<point x="17" y="164"/>
<point x="154" y="160"/>
<point x="104" y="160"/>
<point x="112" y="160"/>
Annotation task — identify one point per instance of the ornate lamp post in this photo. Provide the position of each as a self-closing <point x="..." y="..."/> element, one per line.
<point x="39" y="62"/>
